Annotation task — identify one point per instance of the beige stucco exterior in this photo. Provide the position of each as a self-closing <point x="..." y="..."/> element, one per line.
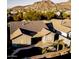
<point x="23" y="39"/>
<point x="15" y="34"/>
<point x="19" y="38"/>
<point x="48" y="38"/>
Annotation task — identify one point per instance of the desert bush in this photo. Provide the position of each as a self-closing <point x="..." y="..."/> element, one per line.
<point x="18" y="16"/>
<point x="65" y="15"/>
<point x="31" y="15"/>
<point x="50" y="15"/>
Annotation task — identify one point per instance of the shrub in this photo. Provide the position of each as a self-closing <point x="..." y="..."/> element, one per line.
<point x="65" y="15"/>
<point x="50" y="15"/>
<point x="31" y="15"/>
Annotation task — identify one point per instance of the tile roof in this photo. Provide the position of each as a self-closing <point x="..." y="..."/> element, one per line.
<point x="58" y="26"/>
<point x="15" y="25"/>
<point x="43" y="32"/>
<point x="34" y="26"/>
<point x="20" y="32"/>
<point x="66" y="23"/>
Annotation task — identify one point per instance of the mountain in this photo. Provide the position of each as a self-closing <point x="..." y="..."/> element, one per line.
<point x="64" y="6"/>
<point x="42" y="5"/>
<point x="45" y="6"/>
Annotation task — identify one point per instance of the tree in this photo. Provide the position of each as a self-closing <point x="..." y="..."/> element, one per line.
<point x="65" y="15"/>
<point x="31" y="15"/>
<point x="18" y="16"/>
<point x="50" y="15"/>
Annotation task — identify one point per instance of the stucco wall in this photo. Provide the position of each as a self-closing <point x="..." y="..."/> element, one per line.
<point x="24" y="39"/>
<point x="48" y="38"/>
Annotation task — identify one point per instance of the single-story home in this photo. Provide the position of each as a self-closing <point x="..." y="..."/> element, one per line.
<point x="30" y="33"/>
<point x="63" y="26"/>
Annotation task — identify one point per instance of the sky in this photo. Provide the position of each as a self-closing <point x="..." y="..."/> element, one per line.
<point x="12" y="3"/>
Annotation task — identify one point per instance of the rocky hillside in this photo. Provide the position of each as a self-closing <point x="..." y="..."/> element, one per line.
<point x="45" y="6"/>
<point x="64" y="6"/>
<point x="42" y="5"/>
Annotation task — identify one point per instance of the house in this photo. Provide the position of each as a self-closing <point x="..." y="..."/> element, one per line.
<point x="22" y="33"/>
<point x="14" y="12"/>
<point x="63" y="26"/>
<point x="58" y="13"/>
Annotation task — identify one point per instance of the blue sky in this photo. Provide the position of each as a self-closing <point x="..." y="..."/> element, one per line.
<point x="12" y="3"/>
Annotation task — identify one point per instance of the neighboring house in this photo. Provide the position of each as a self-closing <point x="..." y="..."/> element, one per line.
<point x="58" y="13"/>
<point x="57" y="24"/>
<point x="62" y="26"/>
<point x="14" y="12"/>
